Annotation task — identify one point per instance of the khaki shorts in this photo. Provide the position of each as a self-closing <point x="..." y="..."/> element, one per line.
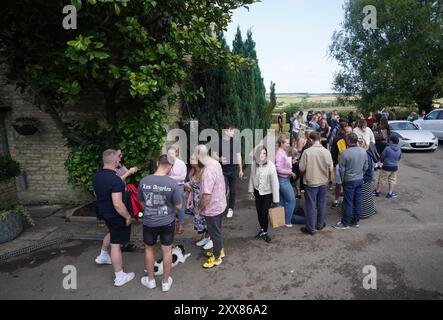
<point x="391" y="176"/>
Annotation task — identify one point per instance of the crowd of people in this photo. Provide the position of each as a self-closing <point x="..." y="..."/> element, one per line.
<point x="356" y="147"/>
<point x="319" y="151"/>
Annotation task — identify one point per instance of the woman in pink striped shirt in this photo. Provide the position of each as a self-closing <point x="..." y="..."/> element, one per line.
<point x="283" y="164"/>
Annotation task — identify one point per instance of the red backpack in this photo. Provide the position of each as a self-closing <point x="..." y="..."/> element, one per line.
<point x="133" y="206"/>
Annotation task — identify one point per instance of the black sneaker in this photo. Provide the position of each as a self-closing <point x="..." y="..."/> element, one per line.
<point x="391" y="195"/>
<point x="266" y="237"/>
<point x="324" y="226"/>
<point x="306" y="231"/>
<point x="335" y="205"/>
<point x="259" y="234"/>
<point x="340" y="226"/>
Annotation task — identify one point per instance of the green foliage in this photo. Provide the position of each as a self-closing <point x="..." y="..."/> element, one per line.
<point x="398" y="63"/>
<point x="9" y="168"/>
<point x="237" y="97"/>
<point x="132" y="52"/>
<point x="142" y="43"/>
<point x="141" y="139"/>
<point x="291" y="108"/>
<point x="6" y="209"/>
<point x="269" y="107"/>
<point x="273" y="97"/>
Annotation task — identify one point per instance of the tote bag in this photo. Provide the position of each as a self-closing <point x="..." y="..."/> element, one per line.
<point x="277" y="217"/>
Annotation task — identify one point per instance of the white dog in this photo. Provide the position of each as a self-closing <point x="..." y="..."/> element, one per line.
<point x="178" y="255"/>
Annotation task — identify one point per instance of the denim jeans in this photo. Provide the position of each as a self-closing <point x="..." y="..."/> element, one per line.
<point x="352" y="202"/>
<point x="298" y="219"/>
<point x="287" y="198"/>
<point x="181" y="212"/>
<point x="315" y="207"/>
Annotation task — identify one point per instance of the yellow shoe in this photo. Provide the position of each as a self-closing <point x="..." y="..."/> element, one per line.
<point x="222" y="253"/>
<point x="212" y="262"/>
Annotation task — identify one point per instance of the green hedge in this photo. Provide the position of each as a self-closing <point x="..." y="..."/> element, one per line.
<point x="8" y="168"/>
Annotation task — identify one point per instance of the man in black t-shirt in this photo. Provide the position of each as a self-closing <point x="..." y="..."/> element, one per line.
<point x="229" y="156"/>
<point x="110" y="191"/>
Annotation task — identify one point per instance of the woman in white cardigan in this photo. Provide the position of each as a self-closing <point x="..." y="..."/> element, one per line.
<point x="264" y="188"/>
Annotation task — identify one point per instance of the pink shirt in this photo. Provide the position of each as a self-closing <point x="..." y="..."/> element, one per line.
<point x="283" y="163"/>
<point x="178" y="171"/>
<point x="213" y="183"/>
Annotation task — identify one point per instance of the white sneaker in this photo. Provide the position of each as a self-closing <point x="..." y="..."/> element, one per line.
<point x="203" y="241"/>
<point x="208" y="245"/>
<point x="151" y="284"/>
<point x="103" y="259"/>
<point x="230" y="214"/>
<point x="118" y="282"/>
<point x="289" y="225"/>
<point x="167" y="286"/>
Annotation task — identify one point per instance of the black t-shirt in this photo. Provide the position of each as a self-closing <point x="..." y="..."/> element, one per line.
<point x="106" y="182"/>
<point x="323" y="132"/>
<point x="350" y="119"/>
<point x="228" y="150"/>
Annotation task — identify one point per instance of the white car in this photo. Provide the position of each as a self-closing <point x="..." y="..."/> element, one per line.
<point x="412" y="136"/>
<point x="433" y="122"/>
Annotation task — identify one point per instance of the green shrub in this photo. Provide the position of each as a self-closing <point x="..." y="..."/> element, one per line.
<point x="8" y="168"/>
<point x="140" y="138"/>
<point x="9" y="208"/>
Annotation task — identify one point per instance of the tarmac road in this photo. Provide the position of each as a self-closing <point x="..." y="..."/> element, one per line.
<point x="403" y="241"/>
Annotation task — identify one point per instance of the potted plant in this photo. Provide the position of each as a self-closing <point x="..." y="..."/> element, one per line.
<point x="9" y="168"/>
<point x="11" y="221"/>
<point x="26" y="126"/>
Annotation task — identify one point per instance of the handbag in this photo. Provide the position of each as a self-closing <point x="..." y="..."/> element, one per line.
<point x="277" y="217"/>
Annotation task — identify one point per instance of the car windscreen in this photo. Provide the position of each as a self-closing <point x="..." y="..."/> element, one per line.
<point x="403" y="126"/>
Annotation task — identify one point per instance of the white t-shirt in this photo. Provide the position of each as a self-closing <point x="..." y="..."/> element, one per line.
<point x="367" y="135"/>
<point x="297" y="126"/>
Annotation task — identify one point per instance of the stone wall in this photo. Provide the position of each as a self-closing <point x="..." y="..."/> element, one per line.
<point x="8" y="191"/>
<point x="41" y="155"/>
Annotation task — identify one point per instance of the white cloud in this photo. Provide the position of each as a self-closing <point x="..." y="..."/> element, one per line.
<point x="287" y="68"/>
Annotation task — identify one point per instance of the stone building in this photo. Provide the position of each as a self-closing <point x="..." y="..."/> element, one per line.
<point x="41" y="155"/>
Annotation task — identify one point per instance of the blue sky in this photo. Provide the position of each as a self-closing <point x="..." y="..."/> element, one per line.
<point x="292" y="40"/>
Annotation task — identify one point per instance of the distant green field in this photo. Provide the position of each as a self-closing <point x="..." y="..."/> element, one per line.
<point x="321" y="102"/>
<point x="298" y="98"/>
